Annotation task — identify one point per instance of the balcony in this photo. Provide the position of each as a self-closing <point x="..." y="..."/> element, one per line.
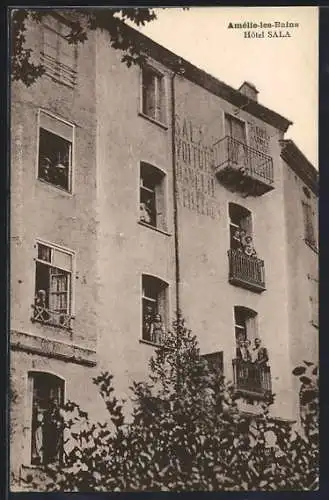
<point x="246" y="271"/>
<point x="243" y="168"/>
<point x="52" y="318"/>
<point x="251" y="380"/>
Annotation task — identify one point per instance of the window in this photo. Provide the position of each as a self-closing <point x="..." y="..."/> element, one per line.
<point x="235" y="128"/>
<point x="46" y="425"/>
<point x="153" y="94"/>
<point x="58" y="56"/>
<point x="309" y="229"/>
<point x="241" y="229"/>
<point x="55" y="151"/>
<point x="154" y="308"/>
<point x="245" y="323"/>
<point x="53" y="283"/>
<point x="214" y="361"/>
<point x="314" y="300"/>
<point x="152" y="196"/>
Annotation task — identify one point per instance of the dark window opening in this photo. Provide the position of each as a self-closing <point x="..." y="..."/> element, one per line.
<point x="241" y="238"/>
<point x="154" y="308"/>
<point x="47" y="427"/>
<point x="245" y="323"/>
<point x="152" y="199"/>
<point x="153" y="94"/>
<point x="54" y="159"/>
<point x="309" y="225"/>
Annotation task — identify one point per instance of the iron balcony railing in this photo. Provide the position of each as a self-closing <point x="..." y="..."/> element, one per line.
<point x="251" y="378"/>
<point x="53" y="318"/>
<point x="246" y="271"/>
<point x="229" y="152"/>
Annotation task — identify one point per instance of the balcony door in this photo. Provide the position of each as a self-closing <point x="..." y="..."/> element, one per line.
<point x="235" y="128"/>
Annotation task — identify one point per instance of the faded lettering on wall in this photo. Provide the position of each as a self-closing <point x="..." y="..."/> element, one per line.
<point x="259" y="138"/>
<point x="194" y="162"/>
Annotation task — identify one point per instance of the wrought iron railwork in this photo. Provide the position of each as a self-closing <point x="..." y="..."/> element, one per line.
<point x="53" y="318"/>
<point x="246" y="271"/>
<point x="252" y="379"/>
<point x="243" y="167"/>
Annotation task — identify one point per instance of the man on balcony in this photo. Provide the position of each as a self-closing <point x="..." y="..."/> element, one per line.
<point x="259" y="356"/>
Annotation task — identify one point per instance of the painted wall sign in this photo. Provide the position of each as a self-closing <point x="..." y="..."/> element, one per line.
<point x="195" y="175"/>
<point x="259" y="138"/>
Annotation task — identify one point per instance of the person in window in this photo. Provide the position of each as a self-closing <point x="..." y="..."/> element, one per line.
<point x="244" y="357"/>
<point x="60" y="175"/>
<point x="53" y="429"/>
<point x="243" y="352"/>
<point x="243" y="236"/>
<point x="147" y="322"/>
<point x="260" y="360"/>
<point x="145" y="215"/>
<point x="40" y="309"/>
<point x="249" y="247"/>
<point x="236" y="240"/>
<point x="46" y="169"/>
<point x="259" y="353"/>
<point x="157" y="329"/>
<point x="37" y="444"/>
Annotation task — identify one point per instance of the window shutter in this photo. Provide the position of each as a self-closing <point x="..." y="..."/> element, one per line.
<point x="308" y="223"/>
<point x="314" y="300"/>
<point x="56" y="126"/>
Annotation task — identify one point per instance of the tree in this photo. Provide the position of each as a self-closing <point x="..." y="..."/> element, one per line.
<point x="82" y="20"/>
<point x="186" y="434"/>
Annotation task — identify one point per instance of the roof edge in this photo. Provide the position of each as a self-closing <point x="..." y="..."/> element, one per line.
<point x="298" y="162"/>
<point x="209" y="82"/>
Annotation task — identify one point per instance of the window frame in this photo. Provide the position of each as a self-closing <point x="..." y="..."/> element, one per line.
<point x="160" y="196"/>
<point x="56" y="64"/>
<point x="314" y="301"/>
<point x="162" y="287"/>
<point x="309" y="225"/>
<point x="29" y="410"/>
<point x="228" y="115"/>
<point x="249" y="314"/>
<point x="72" y="272"/>
<point x="157" y="72"/>
<point x="71" y="169"/>
<point x="249" y="215"/>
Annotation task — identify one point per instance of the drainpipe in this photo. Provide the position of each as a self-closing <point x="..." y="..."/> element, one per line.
<point x="175" y="196"/>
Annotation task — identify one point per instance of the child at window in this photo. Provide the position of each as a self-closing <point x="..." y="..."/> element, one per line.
<point x="157" y="330"/>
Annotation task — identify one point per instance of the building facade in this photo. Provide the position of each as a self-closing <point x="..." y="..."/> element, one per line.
<point x="137" y="192"/>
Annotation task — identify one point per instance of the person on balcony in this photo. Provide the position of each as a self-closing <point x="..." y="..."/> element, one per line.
<point x="243" y="350"/>
<point x="249" y="247"/>
<point x="259" y="353"/>
<point x="236" y="241"/>
<point x="260" y="360"/>
<point x="157" y="329"/>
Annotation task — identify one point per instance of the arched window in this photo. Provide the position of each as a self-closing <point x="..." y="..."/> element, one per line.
<point x="46" y="424"/>
<point x="154" y="308"/>
<point x="152" y="196"/>
<point x="240" y="225"/>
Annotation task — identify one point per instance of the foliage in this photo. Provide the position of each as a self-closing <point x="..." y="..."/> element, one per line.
<point x="187" y="433"/>
<point x="82" y="20"/>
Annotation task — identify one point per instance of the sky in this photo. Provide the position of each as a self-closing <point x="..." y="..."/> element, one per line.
<point x="284" y="70"/>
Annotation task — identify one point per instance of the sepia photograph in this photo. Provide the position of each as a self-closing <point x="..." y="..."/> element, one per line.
<point x="164" y="331"/>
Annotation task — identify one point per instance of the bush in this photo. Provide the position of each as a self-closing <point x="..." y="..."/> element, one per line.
<point x="187" y="433"/>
